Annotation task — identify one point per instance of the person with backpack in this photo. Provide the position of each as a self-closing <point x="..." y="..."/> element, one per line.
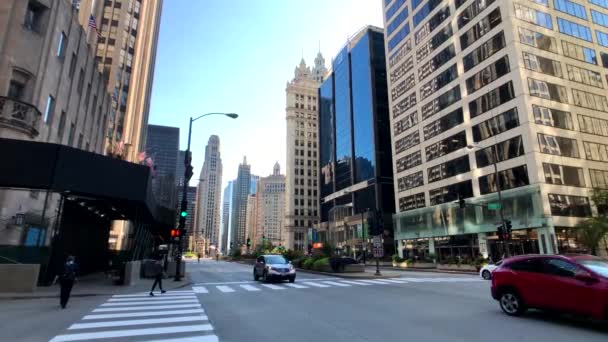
<point x="157" y="270"/>
<point x="66" y="280"/>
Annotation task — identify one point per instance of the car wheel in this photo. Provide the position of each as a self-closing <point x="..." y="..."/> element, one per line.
<point x="486" y="275"/>
<point x="511" y="303"/>
<point x="292" y="279"/>
<point x="256" y="277"/>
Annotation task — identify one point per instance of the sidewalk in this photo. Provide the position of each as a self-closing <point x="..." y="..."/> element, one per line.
<point x="97" y="284"/>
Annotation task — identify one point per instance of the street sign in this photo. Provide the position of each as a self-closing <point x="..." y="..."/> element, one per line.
<point x="378" y="252"/>
<point x="377" y="241"/>
<point x="493" y="206"/>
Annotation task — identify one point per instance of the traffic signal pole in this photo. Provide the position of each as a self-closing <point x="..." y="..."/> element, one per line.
<point x="182" y="220"/>
<point x="501" y="210"/>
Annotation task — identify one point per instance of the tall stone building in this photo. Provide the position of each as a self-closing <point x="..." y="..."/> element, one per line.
<point x="252" y="219"/>
<point x="302" y="188"/>
<point x="208" y="212"/>
<point x="226" y="215"/>
<point x="496" y="95"/>
<point x="51" y="91"/>
<point x="270" y="207"/>
<point x="162" y="146"/>
<point x="238" y="221"/>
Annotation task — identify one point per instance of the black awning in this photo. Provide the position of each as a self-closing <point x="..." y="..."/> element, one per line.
<point x="123" y="188"/>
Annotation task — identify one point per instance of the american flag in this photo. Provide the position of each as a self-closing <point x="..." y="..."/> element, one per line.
<point x="93" y="24"/>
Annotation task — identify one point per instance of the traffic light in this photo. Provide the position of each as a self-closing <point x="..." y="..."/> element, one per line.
<point x="379" y="223"/>
<point x="183" y="213"/>
<point x="461" y="203"/>
<point x="175" y="234"/>
<point x="501" y="233"/>
<point x="508" y="229"/>
<point x="248" y="242"/>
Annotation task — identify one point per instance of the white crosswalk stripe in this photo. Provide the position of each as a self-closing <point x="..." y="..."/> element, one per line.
<point x="139" y="317"/>
<point x="310" y="283"/>
<point x="249" y="288"/>
<point x="296" y="286"/>
<point x="224" y="288"/>
<point x="355" y="282"/>
<point x="395" y="281"/>
<point x="200" y="289"/>
<point x="370" y="281"/>
<point x="274" y="287"/>
<point x="335" y="283"/>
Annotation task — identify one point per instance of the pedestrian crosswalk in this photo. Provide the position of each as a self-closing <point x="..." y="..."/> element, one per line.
<point x="176" y="316"/>
<point x="251" y="286"/>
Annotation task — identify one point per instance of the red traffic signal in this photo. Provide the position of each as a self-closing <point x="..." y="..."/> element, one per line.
<point x="174" y="233"/>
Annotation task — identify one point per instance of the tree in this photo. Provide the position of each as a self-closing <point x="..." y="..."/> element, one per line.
<point x="600" y="198"/>
<point x="592" y="231"/>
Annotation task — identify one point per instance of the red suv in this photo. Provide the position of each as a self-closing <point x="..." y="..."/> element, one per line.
<point x="568" y="283"/>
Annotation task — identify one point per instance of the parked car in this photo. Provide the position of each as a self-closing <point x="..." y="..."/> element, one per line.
<point x="565" y="283"/>
<point x="486" y="271"/>
<point x="273" y="267"/>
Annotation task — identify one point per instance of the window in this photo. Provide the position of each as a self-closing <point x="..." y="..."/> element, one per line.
<point x="528" y="265"/>
<point x="63" y="40"/>
<point x="563" y="175"/>
<point x="391" y="11"/>
<point x="448" y="169"/>
<point x="508" y="179"/>
<point x="578" y="52"/>
<point x="402" y="106"/>
<point x="574" y="29"/>
<point x="16" y="89"/>
<point x="440" y="81"/>
<point x="560" y="268"/>
<point x="399" y="36"/>
<point x="61" y="126"/>
<point x="33" y="16"/>
<point x="589" y="100"/>
<point x="446" y="146"/>
<point x="543" y="65"/>
<point x="584" y="76"/>
<point x="601" y="3"/>
<point x="571" y="8"/>
<point x="441" y="37"/>
<point x="480" y="29"/>
<point x="537" y="39"/>
<point x="435" y="62"/>
<point x="398" y="21"/>
<point x="547" y="90"/>
<point x="412" y="202"/>
<point x="405" y="123"/>
<point x="573" y="206"/>
<point x="407" y="142"/>
<point x="591" y="125"/>
<point x="506" y="150"/>
<point x="533" y="16"/>
<point x="595" y="151"/>
<point x="476" y="7"/>
<point x="599" y="178"/>
<point x="402" y="70"/>
<point x="491" y="99"/>
<point x="403" y="87"/>
<point x="451" y="192"/>
<point x="552" y="117"/>
<point x="432" y="24"/>
<point x="496" y="125"/>
<point x="602" y="38"/>
<point x="599" y="18"/>
<point x="410" y="181"/>
<point x="50" y="106"/>
<point x="80" y="81"/>
<point x="72" y="65"/>
<point x="71" y="135"/>
<point x="425" y="10"/>
<point x="409" y="161"/>
<point x="398" y="55"/>
<point x="560" y="146"/>
<point x="484" y="51"/>
<point x="488" y="75"/>
<point x="443" y="124"/>
<point x="441" y="102"/>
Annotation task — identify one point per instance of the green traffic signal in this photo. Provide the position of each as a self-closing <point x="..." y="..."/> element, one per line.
<point x="184" y="213"/>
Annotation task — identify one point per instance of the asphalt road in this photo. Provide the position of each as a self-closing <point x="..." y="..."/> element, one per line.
<point x="428" y="307"/>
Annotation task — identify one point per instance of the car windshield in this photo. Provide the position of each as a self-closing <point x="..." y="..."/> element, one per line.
<point x="596" y="265"/>
<point x="275" y="259"/>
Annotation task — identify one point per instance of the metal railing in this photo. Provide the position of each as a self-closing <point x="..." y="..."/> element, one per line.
<point x="18" y="115"/>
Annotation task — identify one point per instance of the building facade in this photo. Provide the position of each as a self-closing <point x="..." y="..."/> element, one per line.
<point x="520" y="85"/>
<point x="193" y="240"/>
<point x="238" y="220"/>
<point x="251" y="221"/>
<point x="50" y="91"/>
<point x="356" y="175"/>
<point x="270" y="199"/>
<point x="302" y="188"/>
<point x="162" y="146"/>
<point x="209" y="201"/>
<point x="226" y="215"/>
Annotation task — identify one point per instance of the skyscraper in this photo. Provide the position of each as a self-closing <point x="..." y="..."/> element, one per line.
<point x="355" y="152"/>
<point x="270" y="208"/>
<point x="226" y="217"/>
<point x="301" y="193"/>
<point x="496" y="95"/>
<point x="209" y="191"/>
<point x="163" y="147"/>
<point x="126" y="51"/>
<point x="238" y="220"/>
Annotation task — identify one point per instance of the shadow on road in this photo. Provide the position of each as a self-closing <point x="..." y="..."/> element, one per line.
<point x="572" y="321"/>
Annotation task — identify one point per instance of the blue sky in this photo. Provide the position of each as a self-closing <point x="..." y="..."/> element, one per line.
<point x="237" y="56"/>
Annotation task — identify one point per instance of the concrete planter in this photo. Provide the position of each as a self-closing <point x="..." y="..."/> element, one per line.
<point x="19" y="277"/>
<point x="456" y="267"/>
<point x="422" y="265"/>
<point x="354" y="268"/>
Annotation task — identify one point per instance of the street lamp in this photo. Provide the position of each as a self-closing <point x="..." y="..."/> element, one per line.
<point x="497" y="184"/>
<point x="187" y="176"/>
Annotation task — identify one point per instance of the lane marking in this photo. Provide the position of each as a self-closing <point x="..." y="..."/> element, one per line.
<point x="137" y="322"/>
<point x="255" y="282"/>
<point x="355" y="282"/>
<point x="136" y="308"/>
<point x="249" y="288"/>
<point x="274" y="287"/>
<point x="200" y="289"/>
<point x="370" y="281"/>
<point x="395" y="281"/>
<point x="132" y="332"/>
<point x="156" y="298"/>
<point x="180" y="301"/>
<point x="315" y="284"/>
<point x="296" y="286"/>
<point x="225" y="289"/>
<point x="147" y="294"/>
<point x="144" y="314"/>
<point x="335" y="283"/>
<point x="203" y="338"/>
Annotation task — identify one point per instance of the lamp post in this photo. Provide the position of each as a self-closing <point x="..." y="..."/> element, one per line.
<point x="497" y="184"/>
<point x="184" y="204"/>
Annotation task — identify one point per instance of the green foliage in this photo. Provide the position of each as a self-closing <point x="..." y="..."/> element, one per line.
<point x="600" y="198"/>
<point x="328" y="249"/>
<point x="592" y="231"/>
<point x="293" y="255"/>
<point x="278" y="250"/>
<point x="307" y="264"/>
<point x="263" y="247"/>
<point x="236" y="253"/>
<point x="398" y="259"/>
<point x="320" y="264"/>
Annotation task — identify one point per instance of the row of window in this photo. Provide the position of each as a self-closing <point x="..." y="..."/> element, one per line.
<point x="432" y="24"/>
<point x="425" y="10"/>
<point x="402" y="70"/>
<point x="404" y="105"/>
<point x="446" y="146"/>
<point x="481" y="28"/>
<point x="399" y="36"/>
<point x="439" y="38"/>
<point x="407" y="142"/>
<point x="488" y="75"/>
<point x="449" y="169"/>
<point x="496" y="125"/>
<point x="410" y="181"/>
<point x="441" y="102"/>
<point x="443" y="124"/>
<point x="476" y="7"/>
<point x="403" y="87"/>
<point x="405" y="123"/>
<point x="440" y="81"/>
<point x="409" y="161"/>
<point x="398" y="55"/>
<point x="484" y="51"/>
<point x="392" y="26"/>
<point x="436" y="61"/>
<point x="558" y="93"/>
<point x="492" y="99"/>
<point x="504" y="150"/>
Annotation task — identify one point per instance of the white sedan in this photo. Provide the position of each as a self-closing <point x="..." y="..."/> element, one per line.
<point x="486" y="271"/>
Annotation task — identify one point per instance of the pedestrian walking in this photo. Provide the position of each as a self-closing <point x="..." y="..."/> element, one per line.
<point x="217" y="257"/>
<point x="158" y="277"/>
<point x="199" y="258"/>
<point x="66" y="280"/>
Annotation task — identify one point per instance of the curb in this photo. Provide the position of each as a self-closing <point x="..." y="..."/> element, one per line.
<point x="344" y="275"/>
<point x="428" y="270"/>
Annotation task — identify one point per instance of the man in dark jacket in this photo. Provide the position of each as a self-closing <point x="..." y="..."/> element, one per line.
<point x="66" y="280"/>
<point x="157" y="269"/>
